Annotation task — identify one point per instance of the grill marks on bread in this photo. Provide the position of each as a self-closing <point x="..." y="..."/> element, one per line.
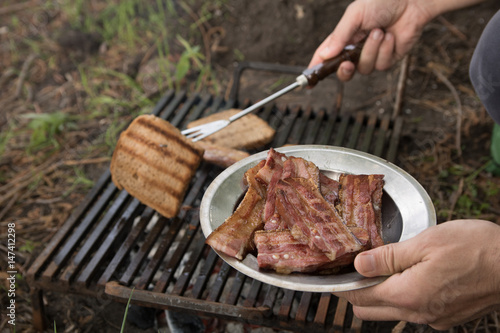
<point x="171" y="135"/>
<point x="154" y="162"/>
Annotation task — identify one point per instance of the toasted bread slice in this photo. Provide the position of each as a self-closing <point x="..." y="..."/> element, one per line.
<point x="154" y="162"/>
<point x="247" y="132"/>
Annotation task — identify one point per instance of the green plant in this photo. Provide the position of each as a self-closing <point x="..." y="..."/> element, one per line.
<point x="190" y="55"/>
<point x="80" y="179"/>
<point x="470" y="194"/>
<point x="5" y="136"/>
<point x="277" y="84"/>
<point x="111" y="134"/>
<point x="45" y="127"/>
<point x="28" y="246"/>
<point x="126" y="311"/>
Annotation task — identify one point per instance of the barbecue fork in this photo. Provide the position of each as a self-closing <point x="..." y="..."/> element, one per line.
<point x="309" y="78"/>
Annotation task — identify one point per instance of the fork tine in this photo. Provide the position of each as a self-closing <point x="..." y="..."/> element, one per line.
<point x="202" y="131"/>
<point x="200" y="137"/>
<point x="193" y="135"/>
<point x="192" y="129"/>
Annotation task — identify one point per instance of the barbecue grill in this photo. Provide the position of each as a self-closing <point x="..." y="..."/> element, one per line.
<point x="113" y="246"/>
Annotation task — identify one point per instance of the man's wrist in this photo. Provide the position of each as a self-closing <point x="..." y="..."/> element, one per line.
<point x="438" y="7"/>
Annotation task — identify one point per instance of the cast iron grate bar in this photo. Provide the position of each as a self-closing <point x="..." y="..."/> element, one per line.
<point x="65" y="252"/>
<point x="145" y="248"/>
<point x="126" y="247"/>
<point x="64" y="232"/>
<point x="183" y="280"/>
<point x="94" y="236"/>
<point x="204" y="275"/>
<point x="170" y="268"/>
<point x="113" y="237"/>
<point x="215" y="290"/>
<point x="236" y="288"/>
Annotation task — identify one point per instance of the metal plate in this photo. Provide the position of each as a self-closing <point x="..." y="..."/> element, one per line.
<point x="406" y="210"/>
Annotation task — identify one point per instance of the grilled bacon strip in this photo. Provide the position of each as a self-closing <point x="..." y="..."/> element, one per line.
<point x="234" y="237"/>
<point x="279" y="166"/>
<point x="312" y="220"/>
<point x="329" y="188"/>
<point x="280" y="251"/>
<point x="361" y="202"/>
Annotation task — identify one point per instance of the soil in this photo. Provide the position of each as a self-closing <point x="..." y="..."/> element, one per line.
<point x="445" y="142"/>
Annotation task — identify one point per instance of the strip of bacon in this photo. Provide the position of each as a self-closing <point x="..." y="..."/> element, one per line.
<point x="329" y="188"/>
<point x="297" y="167"/>
<point x="312" y="220"/>
<point x="280" y="251"/>
<point x="361" y="202"/>
<point x="234" y="237"/>
<point x="279" y="166"/>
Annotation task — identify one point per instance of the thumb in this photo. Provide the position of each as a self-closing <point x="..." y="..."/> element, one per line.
<point x="388" y="259"/>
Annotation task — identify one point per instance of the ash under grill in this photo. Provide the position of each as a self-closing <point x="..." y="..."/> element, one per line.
<point x="113" y="246"/>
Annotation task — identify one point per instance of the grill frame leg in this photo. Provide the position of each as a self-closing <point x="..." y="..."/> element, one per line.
<point x="40" y="321"/>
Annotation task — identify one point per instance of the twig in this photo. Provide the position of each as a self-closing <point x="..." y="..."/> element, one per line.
<point x="17" y="7"/>
<point x="398" y="103"/>
<point x="453" y="29"/>
<point x="4" y="321"/>
<point x="28" y="174"/>
<point x="149" y="53"/>
<point x="88" y="161"/>
<point x="9" y="205"/>
<point x="24" y="72"/>
<point x="399" y="327"/>
<point x="27" y="181"/>
<point x="454" y="92"/>
<point x="7" y="74"/>
<point x="455" y="197"/>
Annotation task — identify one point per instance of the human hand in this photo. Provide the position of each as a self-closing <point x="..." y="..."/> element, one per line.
<point x="393" y="27"/>
<point x="446" y="275"/>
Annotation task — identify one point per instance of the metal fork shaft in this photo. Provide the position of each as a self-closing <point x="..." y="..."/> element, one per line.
<point x="266" y="100"/>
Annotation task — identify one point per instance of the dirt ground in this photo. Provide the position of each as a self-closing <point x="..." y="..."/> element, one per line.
<point x="445" y="142"/>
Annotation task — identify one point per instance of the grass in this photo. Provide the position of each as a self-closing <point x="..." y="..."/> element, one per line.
<point x="462" y="183"/>
<point x="46" y="126"/>
<point x="162" y="29"/>
<point x="126" y="311"/>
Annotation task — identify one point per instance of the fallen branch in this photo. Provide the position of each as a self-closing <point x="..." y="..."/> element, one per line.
<point x="453" y="29"/>
<point x="21" y="185"/>
<point x="9" y="205"/>
<point x="88" y="161"/>
<point x="454" y="92"/>
<point x="399" y="328"/>
<point x="17" y="7"/>
<point x="24" y="73"/>
<point x="398" y="103"/>
<point x="454" y="198"/>
<point x="28" y="174"/>
<point x="7" y="74"/>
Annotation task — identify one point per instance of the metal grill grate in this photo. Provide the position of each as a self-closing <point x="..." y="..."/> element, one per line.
<point x="112" y="244"/>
